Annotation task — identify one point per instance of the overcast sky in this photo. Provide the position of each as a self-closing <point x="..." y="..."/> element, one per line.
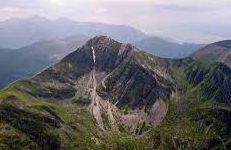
<point x="183" y="20"/>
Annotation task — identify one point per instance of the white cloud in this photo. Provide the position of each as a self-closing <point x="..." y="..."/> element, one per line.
<point x="195" y="20"/>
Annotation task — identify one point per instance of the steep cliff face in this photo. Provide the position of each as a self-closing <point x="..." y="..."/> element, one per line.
<point x="213" y="79"/>
<point x="135" y="85"/>
<point x="122" y="75"/>
<point x="125" y="76"/>
<point x="108" y="78"/>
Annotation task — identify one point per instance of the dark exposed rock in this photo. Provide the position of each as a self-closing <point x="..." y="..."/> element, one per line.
<point x="134" y="86"/>
<point x="127" y="75"/>
<point x="126" y="78"/>
<point x="214" y="81"/>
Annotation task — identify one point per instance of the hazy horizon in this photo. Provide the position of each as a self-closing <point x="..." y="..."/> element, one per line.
<point x="184" y="21"/>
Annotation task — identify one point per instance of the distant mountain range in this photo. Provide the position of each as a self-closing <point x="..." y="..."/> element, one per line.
<point x="111" y="95"/>
<point x="24" y="62"/>
<point x="16" y="33"/>
<point x="163" y="48"/>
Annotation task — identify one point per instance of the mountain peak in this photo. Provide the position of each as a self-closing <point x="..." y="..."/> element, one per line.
<point x="106" y="45"/>
<point x="108" y="54"/>
<point x="122" y="73"/>
<point x="101" y="39"/>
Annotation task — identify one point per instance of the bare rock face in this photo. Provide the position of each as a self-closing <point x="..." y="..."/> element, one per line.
<point x="214" y="81"/>
<point x="120" y="76"/>
<point x="119" y="72"/>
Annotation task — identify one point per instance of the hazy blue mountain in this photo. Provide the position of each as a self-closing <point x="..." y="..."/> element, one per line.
<point x="15" y="33"/>
<point x="165" y="48"/>
<point x="19" y="63"/>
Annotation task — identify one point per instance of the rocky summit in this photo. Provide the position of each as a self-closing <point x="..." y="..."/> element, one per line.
<point x="111" y="95"/>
